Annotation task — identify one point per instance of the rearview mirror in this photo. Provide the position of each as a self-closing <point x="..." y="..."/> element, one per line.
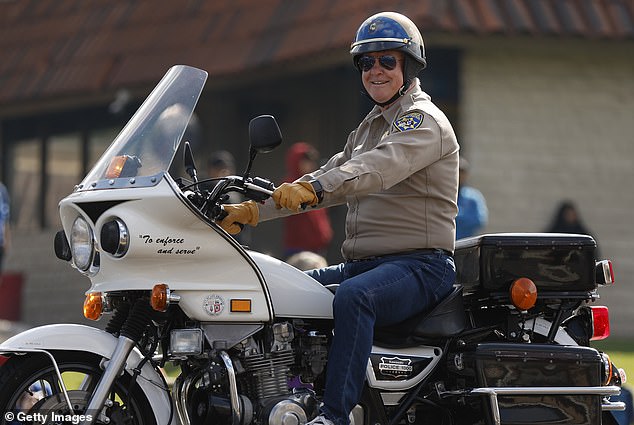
<point x="264" y="134"/>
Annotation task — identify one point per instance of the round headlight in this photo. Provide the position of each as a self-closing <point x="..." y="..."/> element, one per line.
<point x="115" y="238"/>
<point x="81" y="243"/>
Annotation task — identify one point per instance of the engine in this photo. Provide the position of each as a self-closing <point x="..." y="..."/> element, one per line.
<point x="275" y="375"/>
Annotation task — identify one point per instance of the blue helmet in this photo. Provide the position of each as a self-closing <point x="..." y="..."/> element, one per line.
<point x="389" y="31"/>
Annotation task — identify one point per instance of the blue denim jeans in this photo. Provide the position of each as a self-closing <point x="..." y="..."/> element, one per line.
<point x="380" y="291"/>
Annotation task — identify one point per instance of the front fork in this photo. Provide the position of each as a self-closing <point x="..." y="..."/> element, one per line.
<point x="113" y="370"/>
<point x="130" y="333"/>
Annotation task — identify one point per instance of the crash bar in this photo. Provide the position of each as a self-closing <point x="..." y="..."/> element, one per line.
<point x="493" y="393"/>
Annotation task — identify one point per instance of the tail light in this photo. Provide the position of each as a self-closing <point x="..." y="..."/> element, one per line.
<point x="600" y="323"/>
<point x="604" y="272"/>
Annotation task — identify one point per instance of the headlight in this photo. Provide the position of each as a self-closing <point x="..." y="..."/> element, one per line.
<point x="115" y="238"/>
<point x="81" y="243"/>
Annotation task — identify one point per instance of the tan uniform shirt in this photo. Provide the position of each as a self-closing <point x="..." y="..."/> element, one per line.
<point x="398" y="173"/>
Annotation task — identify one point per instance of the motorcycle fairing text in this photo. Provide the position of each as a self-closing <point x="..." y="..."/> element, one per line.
<point x="169" y="245"/>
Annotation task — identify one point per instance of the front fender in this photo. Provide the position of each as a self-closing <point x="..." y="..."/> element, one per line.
<point x="69" y="337"/>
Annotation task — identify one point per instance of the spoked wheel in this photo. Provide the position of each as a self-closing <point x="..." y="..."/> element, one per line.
<point x="29" y="385"/>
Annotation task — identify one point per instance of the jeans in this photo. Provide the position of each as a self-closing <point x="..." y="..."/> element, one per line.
<point x="379" y="291"/>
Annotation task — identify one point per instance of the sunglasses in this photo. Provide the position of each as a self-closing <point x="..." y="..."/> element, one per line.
<point x="366" y="63"/>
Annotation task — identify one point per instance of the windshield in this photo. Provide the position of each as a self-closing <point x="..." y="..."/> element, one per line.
<point x="143" y="151"/>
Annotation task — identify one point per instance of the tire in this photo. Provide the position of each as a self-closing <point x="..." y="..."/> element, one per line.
<point x="23" y="377"/>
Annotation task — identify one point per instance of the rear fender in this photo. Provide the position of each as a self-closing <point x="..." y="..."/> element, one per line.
<point x="69" y="337"/>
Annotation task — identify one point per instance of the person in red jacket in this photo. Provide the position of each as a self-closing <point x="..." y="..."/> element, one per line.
<point x="310" y="231"/>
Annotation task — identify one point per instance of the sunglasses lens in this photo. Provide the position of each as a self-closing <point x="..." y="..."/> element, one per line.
<point x="366" y="63"/>
<point x="388" y="62"/>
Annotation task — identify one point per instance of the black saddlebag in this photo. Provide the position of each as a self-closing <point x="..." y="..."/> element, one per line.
<point x="498" y="365"/>
<point x="555" y="262"/>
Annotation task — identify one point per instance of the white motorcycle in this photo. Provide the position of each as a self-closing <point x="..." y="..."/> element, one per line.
<point x="251" y="333"/>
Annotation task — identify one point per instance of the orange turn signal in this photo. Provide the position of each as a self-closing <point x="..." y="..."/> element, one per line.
<point x="523" y="293"/>
<point x="159" y="298"/>
<point x="116" y="167"/>
<point x="93" y="306"/>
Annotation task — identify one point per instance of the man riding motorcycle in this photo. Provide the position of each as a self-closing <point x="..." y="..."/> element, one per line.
<point x="398" y="174"/>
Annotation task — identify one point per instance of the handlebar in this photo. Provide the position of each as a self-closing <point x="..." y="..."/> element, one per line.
<point x="209" y="201"/>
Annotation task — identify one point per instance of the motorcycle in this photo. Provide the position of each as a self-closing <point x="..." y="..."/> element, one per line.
<point x="249" y="334"/>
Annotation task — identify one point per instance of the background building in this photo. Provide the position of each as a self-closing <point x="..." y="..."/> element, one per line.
<point x="541" y="94"/>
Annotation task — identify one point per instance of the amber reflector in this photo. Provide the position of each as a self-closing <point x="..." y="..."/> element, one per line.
<point x="93" y="306"/>
<point x="158" y="301"/>
<point x="241" y="306"/>
<point x="523" y="293"/>
<point x="115" y="167"/>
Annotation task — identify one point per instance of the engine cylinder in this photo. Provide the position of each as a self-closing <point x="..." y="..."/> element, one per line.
<point x="270" y="373"/>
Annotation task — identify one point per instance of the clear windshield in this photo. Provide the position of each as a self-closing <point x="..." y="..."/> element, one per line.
<point x="143" y="151"/>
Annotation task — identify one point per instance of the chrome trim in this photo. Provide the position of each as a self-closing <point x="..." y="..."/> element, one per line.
<point x="233" y="389"/>
<point x="181" y="394"/>
<point x="609" y="406"/>
<point x="493" y="393"/>
<point x="372" y="40"/>
<point x="124" y="238"/>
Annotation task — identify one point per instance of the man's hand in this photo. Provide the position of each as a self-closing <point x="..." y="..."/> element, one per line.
<point x="295" y="195"/>
<point x="239" y="215"/>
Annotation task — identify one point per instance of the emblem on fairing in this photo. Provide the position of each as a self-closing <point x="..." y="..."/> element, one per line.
<point x="395" y="366"/>
<point x="213" y="304"/>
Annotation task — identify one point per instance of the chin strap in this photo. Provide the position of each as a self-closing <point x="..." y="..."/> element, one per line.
<point x="398" y="94"/>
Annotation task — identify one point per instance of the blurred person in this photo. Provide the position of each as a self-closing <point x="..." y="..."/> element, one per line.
<point x="307" y="260"/>
<point x="567" y="219"/>
<point x="310" y="231"/>
<point x="221" y="164"/>
<point x="398" y="175"/>
<point x="5" y="231"/>
<point x="473" y="214"/>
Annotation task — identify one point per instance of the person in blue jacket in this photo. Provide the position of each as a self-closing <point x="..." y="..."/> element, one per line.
<point x="473" y="214"/>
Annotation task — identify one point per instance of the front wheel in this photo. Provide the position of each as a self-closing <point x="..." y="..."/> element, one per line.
<point x="29" y="385"/>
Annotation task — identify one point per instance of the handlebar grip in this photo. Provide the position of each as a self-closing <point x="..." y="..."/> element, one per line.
<point x="224" y="214"/>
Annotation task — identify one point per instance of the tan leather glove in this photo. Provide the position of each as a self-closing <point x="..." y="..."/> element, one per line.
<point x="294" y="195"/>
<point x="239" y="214"/>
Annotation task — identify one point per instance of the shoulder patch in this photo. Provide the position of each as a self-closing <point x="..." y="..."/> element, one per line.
<point x="409" y="121"/>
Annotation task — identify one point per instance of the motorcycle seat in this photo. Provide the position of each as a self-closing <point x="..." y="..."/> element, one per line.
<point x="445" y="320"/>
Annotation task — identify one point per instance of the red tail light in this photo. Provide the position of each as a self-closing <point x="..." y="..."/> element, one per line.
<point x="600" y="323"/>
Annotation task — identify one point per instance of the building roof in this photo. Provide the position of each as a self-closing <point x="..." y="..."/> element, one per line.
<point x="58" y="48"/>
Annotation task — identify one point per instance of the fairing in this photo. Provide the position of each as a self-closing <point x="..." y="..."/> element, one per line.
<point x="170" y="242"/>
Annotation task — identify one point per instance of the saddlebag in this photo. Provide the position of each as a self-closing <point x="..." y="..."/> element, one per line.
<point x="555" y="262"/>
<point x="527" y="368"/>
